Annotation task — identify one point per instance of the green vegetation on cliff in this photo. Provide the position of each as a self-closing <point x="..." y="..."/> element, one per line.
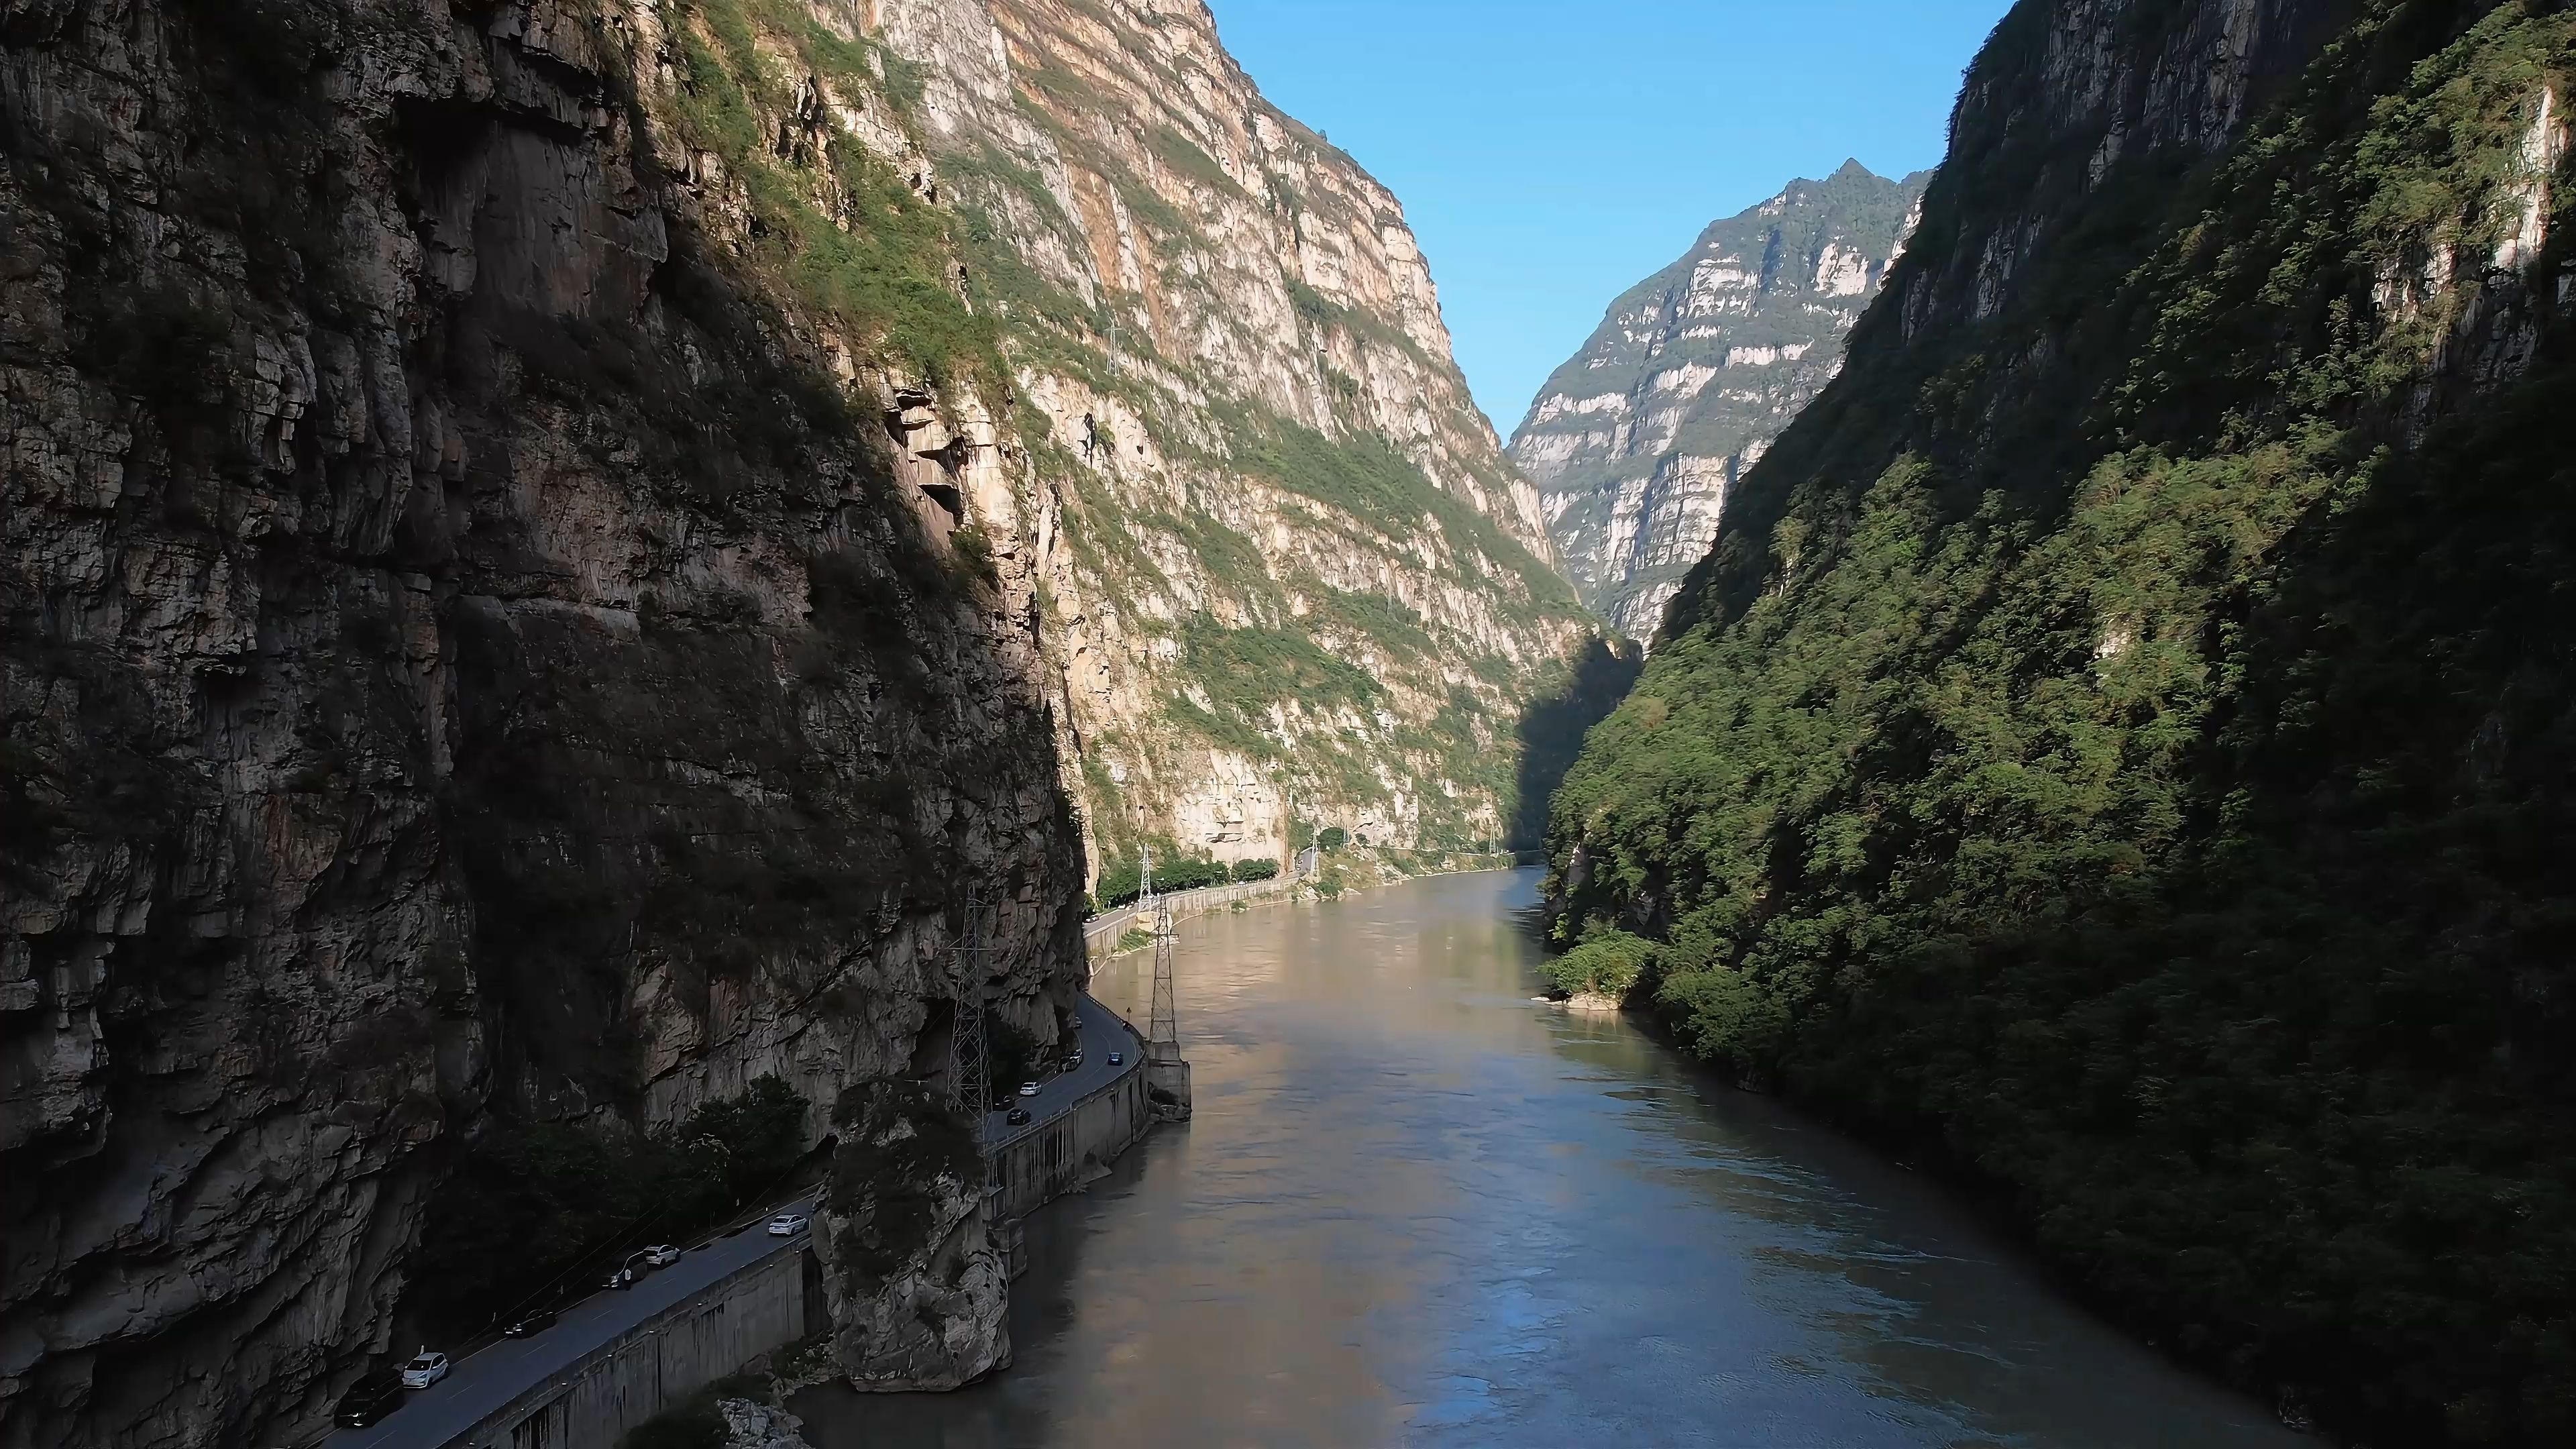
<point x="833" y="227"/>
<point x="2123" y="741"/>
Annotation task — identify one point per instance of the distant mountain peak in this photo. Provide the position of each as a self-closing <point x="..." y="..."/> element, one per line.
<point x="1636" y="440"/>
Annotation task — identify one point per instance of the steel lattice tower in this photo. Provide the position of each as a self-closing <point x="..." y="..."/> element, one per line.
<point x="970" y="1061"/>
<point x="1164" y="1029"/>
<point x="1167" y="1074"/>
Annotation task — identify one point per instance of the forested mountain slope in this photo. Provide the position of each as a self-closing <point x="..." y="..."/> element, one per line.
<point x="2121" y="741"/>
<point x="1635" y="441"/>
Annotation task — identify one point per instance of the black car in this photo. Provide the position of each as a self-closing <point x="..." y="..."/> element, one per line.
<point x="537" y="1322"/>
<point x="1017" y="1116"/>
<point x="369" y="1399"/>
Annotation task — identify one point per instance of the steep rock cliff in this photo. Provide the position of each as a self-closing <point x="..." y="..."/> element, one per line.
<point x="1290" y="569"/>
<point x="559" y="554"/>
<point x="2119" y="741"/>
<point x="1636" y="440"/>
<point x="473" y="651"/>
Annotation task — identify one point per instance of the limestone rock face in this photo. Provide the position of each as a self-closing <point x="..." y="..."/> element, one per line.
<point x="1292" y="574"/>
<point x="1636" y="440"/>
<point x="917" y="1288"/>
<point x="467" y="645"/>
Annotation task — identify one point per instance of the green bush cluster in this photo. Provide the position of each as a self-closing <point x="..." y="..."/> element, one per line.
<point x="2140" y="775"/>
<point x="1248" y="870"/>
<point x="537" y="1212"/>
<point x="1607" y="963"/>
<point x="1122" y="881"/>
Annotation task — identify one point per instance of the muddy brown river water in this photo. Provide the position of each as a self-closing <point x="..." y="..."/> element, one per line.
<point x="1415" y="1209"/>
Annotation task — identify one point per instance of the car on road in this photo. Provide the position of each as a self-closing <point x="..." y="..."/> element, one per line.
<point x="369" y="1399"/>
<point x="788" y="1225"/>
<point x="1117" y="1058"/>
<point x="1028" y="1089"/>
<point x="1017" y="1117"/>
<point x="426" y="1368"/>
<point x="1073" y="1063"/>
<point x="535" y="1323"/>
<point x="661" y="1255"/>
<point x="620" y="1276"/>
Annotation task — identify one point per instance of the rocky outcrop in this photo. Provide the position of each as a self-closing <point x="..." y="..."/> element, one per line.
<point x="473" y="645"/>
<point x="916" y="1286"/>
<point x="1637" y="439"/>
<point x="753" y="1425"/>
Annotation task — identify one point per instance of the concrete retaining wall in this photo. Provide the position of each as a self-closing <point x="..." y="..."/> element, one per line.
<point x="778" y="1300"/>
<point x="1061" y="1155"/>
<point x="672" y="1355"/>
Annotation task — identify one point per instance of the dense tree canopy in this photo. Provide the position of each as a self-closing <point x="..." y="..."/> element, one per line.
<point x="2123" y="740"/>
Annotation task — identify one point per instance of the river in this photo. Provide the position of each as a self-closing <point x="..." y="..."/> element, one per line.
<point x="1414" y="1208"/>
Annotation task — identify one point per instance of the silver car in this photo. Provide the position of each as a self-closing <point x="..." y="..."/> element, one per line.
<point x="425" y="1369"/>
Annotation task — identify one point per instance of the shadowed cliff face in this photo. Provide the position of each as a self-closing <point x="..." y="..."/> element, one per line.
<point x="467" y="646"/>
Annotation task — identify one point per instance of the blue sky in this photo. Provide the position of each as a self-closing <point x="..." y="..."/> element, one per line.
<point x="1551" y="155"/>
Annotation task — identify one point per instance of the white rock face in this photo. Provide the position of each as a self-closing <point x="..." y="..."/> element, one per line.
<point x="1637" y="439"/>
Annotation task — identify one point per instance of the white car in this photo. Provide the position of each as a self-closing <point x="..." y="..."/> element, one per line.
<point x="425" y="1369"/>
<point x="661" y="1255"/>
<point x="788" y="1225"/>
<point x="1028" y="1089"/>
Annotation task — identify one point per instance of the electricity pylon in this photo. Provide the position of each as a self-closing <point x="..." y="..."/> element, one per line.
<point x="1167" y="1075"/>
<point x="970" y="1060"/>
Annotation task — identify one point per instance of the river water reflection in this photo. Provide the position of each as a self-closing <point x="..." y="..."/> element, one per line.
<point x="1415" y="1209"/>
